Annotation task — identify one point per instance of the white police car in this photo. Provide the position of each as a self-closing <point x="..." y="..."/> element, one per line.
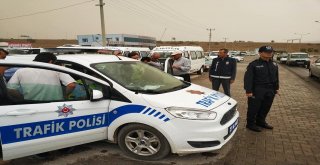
<point x="149" y="113"/>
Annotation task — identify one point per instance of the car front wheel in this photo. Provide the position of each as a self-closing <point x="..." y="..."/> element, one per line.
<point x="143" y="142"/>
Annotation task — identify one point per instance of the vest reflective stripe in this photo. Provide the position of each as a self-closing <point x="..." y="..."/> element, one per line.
<point x="222" y="77"/>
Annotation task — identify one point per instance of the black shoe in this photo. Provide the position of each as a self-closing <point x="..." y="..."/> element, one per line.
<point x="253" y="128"/>
<point x="264" y="125"/>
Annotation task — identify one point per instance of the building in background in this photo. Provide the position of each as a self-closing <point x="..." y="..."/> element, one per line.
<point x="117" y="40"/>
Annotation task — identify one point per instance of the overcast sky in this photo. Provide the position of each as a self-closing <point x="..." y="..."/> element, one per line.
<point x="247" y="20"/>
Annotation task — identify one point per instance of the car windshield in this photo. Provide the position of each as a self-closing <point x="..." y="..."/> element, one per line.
<point x="165" y="54"/>
<point x="299" y="56"/>
<point x="140" y="77"/>
<point x="144" y="53"/>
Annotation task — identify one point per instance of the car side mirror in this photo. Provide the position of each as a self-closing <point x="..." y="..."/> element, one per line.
<point x="96" y="95"/>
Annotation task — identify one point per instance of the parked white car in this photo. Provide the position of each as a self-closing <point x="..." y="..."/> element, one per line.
<point x="314" y="70"/>
<point x="283" y="58"/>
<point x="121" y="100"/>
<point x="299" y="59"/>
<point x="213" y="54"/>
<point x="238" y="58"/>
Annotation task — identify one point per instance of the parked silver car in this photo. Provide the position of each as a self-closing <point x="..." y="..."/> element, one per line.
<point x="314" y="70"/>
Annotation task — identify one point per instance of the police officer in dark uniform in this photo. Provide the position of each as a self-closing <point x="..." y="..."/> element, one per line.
<point x="261" y="82"/>
<point x="223" y="71"/>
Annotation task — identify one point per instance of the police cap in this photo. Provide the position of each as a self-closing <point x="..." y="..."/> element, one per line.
<point x="267" y="49"/>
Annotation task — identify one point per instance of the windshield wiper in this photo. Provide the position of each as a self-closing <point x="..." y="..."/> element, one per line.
<point x="149" y="91"/>
<point x="175" y="88"/>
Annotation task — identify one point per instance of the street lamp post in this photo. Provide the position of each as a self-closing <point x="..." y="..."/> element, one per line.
<point x="225" y="42"/>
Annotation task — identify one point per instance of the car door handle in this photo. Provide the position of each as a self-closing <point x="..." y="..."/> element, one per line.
<point x="21" y="112"/>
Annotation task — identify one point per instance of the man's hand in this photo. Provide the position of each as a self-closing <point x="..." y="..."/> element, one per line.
<point x="249" y="94"/>
<point x="277" y="92"/>
<point x="231" y="81"/>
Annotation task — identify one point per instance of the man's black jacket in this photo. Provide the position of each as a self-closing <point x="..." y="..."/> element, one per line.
<point x="225" y="68"/>
<point x="261" y="73"/>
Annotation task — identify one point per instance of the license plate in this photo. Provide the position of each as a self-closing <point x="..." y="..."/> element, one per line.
<point x="233" y="126"/>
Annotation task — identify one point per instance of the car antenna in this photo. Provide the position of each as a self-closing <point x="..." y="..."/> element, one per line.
<point x="118" y="57"/>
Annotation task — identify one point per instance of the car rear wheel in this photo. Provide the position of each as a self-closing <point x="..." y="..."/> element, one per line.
<point x="143" y="142"/>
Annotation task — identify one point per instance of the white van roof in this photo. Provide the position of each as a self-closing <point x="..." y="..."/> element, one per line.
<point x="181" y="48"/>
<point x="106" y="47"/>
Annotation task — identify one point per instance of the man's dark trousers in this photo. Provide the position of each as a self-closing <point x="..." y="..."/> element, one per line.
<point x="225" y="84"/>
<point x="259" y="106"/>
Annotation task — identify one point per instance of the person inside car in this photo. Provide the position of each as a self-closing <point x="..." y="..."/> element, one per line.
<point x="40" y="84"/>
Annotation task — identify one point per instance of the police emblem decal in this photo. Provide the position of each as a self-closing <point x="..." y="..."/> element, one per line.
<point x="195" y="92"/>
<point x="65" y="110"/>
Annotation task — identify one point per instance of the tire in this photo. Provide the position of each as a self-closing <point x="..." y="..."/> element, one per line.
<point x="200" y="71"/>
<point x="134" y="140"/>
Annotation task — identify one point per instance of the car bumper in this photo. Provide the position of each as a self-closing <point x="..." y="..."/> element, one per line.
<point x="194" y="136"/>
<point x="206" y="66"/>
<point x="299" y="62"/>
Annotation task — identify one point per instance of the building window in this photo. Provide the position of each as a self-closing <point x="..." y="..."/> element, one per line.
<point x="117" y="38"/>
<point x="129" y="39"/>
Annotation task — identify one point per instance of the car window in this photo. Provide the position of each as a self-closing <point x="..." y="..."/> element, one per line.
<point x="164" y="54"/>
<point x="115" y="94"/>
<point x="144" y="53"/>
<point x="186" y="55"/>
<point x="193" y="55"/>
<point x="199" y="55"/>
<point x="126" y="53"/>
<point x="299" y="55"/>
<point x="35" y="85"/>
<point x="78" y="67"/>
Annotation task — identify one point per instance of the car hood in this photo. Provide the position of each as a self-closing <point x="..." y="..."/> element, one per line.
<point x="194" y="96"/>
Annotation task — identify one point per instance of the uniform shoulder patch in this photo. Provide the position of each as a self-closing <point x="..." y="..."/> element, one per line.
<point x="275" y="64"/>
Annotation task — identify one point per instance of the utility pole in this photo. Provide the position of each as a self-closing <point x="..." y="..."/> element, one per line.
<point x="225" y="42"/>
<point x="164" y="31"/>
<point x="301" y="34"/>
<point x="210" y="35"/>
<point x="103" y="29"/>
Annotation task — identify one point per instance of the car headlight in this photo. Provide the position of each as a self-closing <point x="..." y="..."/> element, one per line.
<point x="192" y="114"/>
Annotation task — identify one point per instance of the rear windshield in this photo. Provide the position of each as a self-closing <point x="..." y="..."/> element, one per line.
<point x="165" y="54"/>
